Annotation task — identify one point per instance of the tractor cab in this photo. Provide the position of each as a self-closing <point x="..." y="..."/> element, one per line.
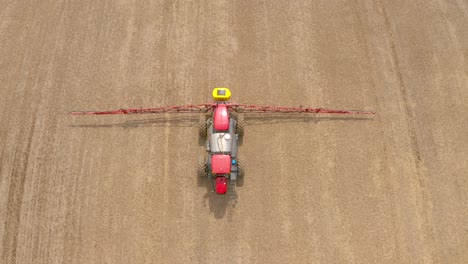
<point x="221" y="114"/>
<point x="221" y="94"/>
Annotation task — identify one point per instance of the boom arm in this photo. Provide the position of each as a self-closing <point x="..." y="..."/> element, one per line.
<point x="241" y="108"/>
<point x="200" y="108"/>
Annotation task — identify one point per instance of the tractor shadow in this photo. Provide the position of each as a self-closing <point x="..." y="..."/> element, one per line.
<point x="267" y="118"/>
<point x="217" y="204"/>
<point x="192" y="120"/>
<point x="181" y="120"/>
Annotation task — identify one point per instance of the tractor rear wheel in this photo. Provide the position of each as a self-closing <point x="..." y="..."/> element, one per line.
<point x="240" y="174"/>
<point x="202" y="169"/>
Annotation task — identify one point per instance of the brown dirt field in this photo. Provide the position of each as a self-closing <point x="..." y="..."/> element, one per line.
<point x="318" y="189"/>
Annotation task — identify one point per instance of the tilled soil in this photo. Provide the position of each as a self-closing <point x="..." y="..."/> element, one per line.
<point x="391" y="188"/>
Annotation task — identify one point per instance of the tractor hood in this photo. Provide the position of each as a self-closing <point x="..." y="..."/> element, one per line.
<point x="221" y="118"/>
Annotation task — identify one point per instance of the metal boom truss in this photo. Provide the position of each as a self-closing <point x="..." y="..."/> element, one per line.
<point x="240" y="108"/>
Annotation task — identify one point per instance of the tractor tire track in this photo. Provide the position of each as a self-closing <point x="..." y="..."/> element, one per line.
<point x="15" y="194"/>
<point x="409" y="115"/>
<point x="422" y="174"/>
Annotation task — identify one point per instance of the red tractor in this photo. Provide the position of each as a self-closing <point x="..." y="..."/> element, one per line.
<point x="222" y="132"/>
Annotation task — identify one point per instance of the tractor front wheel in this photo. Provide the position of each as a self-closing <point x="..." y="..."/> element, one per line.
<point x="240" y="128"/>
<point x="203" y="128"/>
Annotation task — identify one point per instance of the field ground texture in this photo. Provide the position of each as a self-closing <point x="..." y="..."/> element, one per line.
<point x="317" y="189"/>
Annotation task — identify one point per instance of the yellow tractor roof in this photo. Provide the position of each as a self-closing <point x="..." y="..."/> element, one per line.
<point x="221" y="94"/>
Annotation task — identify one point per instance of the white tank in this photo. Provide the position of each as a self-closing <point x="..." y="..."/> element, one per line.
<point x="221" y="143"/>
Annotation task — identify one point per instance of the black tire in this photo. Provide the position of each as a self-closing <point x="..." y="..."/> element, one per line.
<point x="202" y="169"/>
<point x="240" y="128"/>
<point x="240" y="175"/>
<point x="202" y="128"/>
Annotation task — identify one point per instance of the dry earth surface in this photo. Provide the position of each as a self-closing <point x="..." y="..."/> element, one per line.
<point x="317" y="189"/>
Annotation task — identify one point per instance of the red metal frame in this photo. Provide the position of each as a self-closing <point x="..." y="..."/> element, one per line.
<point x="287" y="109"/>
<point x="164" y="109"/>
<point x="235" y="107"/>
